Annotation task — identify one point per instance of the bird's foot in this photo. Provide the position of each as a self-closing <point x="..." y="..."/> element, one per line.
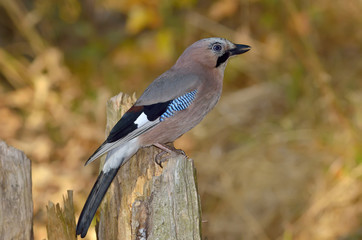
<point x="161" y="158"/>
<point x="168" y="151"/>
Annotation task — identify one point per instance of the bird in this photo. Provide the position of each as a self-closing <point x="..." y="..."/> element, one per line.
<point x="171" y="105"/>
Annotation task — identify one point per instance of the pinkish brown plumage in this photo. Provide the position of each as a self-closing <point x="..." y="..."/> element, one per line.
<point x="173" y="104"/>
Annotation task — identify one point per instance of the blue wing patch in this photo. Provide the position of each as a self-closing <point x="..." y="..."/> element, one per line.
<point x="179" y="104"/>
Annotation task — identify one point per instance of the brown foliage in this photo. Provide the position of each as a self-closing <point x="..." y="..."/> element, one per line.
<point x="290" y="171"/>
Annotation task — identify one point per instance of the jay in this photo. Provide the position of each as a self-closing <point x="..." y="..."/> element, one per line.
<point x="173" y="103"/>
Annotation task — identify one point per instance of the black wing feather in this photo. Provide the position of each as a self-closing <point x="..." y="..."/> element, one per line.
<point x="124" y="126"/>
<point x="127" y="123"/>
<point x="155" y="111"/>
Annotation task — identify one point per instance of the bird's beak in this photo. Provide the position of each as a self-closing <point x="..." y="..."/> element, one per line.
<point x="239" y="49"/>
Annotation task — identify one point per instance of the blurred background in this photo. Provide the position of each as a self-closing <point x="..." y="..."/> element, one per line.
<point x="280" y="156"/>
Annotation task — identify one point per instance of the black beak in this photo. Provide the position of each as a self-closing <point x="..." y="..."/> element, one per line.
<point x="239" y="49"/>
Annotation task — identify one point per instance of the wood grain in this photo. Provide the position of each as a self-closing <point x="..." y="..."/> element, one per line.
<point x="16" y="204"/>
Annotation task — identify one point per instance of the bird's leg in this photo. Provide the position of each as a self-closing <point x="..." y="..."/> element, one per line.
<point x="168" y="150"/>
<point x="163" y="147"/>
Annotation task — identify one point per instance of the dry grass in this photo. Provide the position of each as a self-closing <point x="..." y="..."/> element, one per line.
<point x="280" y="158"/>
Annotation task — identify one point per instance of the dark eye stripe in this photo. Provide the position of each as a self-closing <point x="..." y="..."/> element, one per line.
<point x="222" y="58"/>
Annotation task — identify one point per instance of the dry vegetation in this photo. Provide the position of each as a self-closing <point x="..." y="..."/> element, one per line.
<point x="280" y="157"/>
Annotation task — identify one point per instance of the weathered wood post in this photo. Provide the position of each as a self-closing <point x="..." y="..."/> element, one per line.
<point x="61" y="222"/>
<point x="16" y="203"/>
<point x="146" y="201"/>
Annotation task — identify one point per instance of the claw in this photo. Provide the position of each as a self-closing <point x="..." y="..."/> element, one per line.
<point x="159" y="159"/>
<point x="168" y="150"/>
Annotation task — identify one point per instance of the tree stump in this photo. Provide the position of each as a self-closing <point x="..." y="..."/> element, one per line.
<point x="146" y="201"/>
<point x="61" y="222"/>
<point x="16" y="203"/>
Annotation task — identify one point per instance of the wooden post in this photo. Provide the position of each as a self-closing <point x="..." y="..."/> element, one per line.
<point x="16" y="203"/>
<point x="61" y="222"/>
<point x="146" y="201"/>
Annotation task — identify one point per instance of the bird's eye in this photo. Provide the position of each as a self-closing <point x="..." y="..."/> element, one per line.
<point x="217" y="47"/>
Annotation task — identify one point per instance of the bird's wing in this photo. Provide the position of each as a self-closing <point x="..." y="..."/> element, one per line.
<point x="140" y="119"/>
<point x="137" y="120"/>
<point x="170" y="85"/>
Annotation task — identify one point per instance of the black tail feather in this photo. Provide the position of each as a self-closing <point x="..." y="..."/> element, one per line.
<point x="94" y="200"/>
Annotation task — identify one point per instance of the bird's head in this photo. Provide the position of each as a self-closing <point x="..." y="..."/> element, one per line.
<point x="211" y="52"/>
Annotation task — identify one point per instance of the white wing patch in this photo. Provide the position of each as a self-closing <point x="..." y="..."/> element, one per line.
<point x="141" y="120"/>
<point x="143" y="125"/>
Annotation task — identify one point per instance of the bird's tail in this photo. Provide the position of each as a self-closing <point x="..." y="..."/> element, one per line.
<point x="94" y="200"/>
<point x="114" y="160"/>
